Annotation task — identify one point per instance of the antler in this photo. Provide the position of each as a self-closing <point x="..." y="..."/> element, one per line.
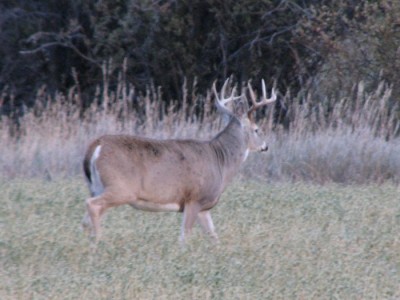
<point x="264" y="101"/>
<point x="221" y="102"/>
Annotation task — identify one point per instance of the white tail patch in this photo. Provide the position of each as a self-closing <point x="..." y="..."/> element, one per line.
<point x="96" y="186"/>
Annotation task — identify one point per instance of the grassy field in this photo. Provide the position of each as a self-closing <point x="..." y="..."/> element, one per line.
<point x="279" y="241"/>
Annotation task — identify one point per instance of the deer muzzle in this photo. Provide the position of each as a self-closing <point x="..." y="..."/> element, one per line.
<point x="264" y="147"/>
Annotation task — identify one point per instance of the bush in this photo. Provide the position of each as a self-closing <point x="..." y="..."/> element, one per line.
<point x="359" y="42"/>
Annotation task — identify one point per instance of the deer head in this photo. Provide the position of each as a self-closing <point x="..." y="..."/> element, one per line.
<point x="245" y="114"/>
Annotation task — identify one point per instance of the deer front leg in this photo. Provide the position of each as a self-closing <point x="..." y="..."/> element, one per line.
<point x="205" y="220"/>
<point x="190" y="213"/>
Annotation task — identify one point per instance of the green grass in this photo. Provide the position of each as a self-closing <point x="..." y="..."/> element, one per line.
<point x="280" y="241"/>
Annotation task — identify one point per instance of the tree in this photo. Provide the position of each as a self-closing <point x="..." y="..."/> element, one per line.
<point x="165" y="42"/>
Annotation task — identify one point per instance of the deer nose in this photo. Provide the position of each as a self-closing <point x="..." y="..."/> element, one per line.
<point x="264" y="147"/>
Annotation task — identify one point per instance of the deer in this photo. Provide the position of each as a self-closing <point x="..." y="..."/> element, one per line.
<point x="173" y="175"/>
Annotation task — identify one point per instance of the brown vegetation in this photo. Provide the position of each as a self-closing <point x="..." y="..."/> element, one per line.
<point x="352" y="139"/>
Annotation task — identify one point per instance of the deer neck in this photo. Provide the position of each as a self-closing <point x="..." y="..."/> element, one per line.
<point x="230" y="148"/>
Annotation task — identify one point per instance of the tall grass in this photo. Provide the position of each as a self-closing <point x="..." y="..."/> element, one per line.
<point x="347" y="140"/>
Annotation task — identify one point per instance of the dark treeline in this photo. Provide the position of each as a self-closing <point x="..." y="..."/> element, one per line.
<point x="320" y="44"/>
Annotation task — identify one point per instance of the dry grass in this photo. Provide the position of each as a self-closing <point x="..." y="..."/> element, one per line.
<point x="348" y="140"/>
<point x="53" y="136"/>
<point x="282" y="241"/>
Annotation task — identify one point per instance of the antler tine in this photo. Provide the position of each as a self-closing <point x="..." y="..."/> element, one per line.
<point x="223" y="89"/>
<point x="252" y="94"/>
<point x="231" y="97"/>
<point x="221" y="102"/>
<point x="264" y="90"/>
<point x="264" y="100"/>
<point x="215" y="91"/>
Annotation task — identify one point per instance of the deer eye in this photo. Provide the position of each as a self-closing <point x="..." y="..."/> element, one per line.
<point x="256" y="130"/>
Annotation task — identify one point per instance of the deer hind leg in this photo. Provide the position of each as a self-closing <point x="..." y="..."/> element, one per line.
<point x="206" y="223"/>
<point x="95" y="206"/>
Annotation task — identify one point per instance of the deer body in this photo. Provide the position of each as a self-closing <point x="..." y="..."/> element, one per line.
<point x="165" y="175"/>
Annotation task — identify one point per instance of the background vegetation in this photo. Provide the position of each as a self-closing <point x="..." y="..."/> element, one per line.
<point x="346" y="142"/>
<point x="327" y="46"/>
<point x="72" y="70"/>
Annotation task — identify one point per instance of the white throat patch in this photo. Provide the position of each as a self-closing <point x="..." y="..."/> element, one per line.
<point x="246" y="154"/>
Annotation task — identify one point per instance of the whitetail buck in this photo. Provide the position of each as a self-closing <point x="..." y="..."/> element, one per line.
<point x="186" y="176"/>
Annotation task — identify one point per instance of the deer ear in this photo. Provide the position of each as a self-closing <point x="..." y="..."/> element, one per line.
<point x="241" y="108"/>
